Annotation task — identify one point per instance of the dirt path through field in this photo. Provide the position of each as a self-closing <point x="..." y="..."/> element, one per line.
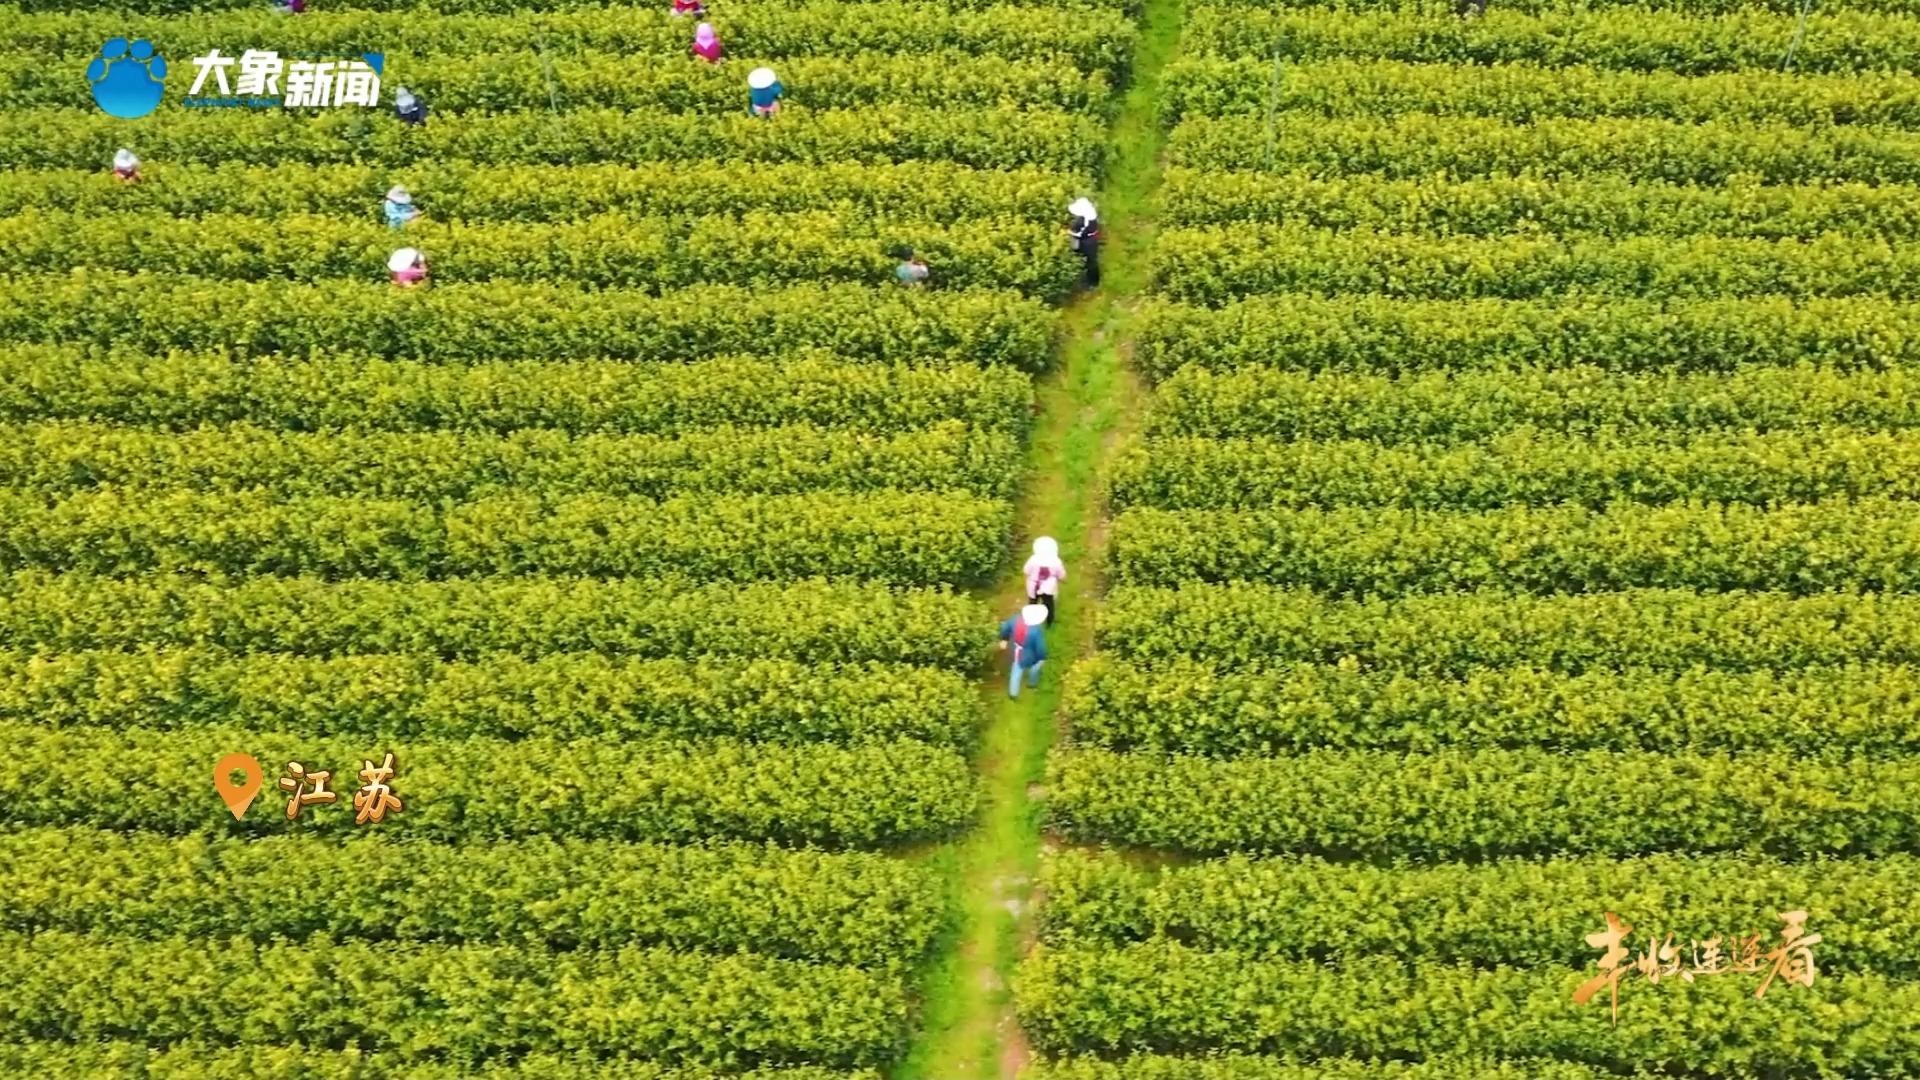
<point x="1087" y="407"/>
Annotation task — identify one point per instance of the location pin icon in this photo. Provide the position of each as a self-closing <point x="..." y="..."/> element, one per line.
<point x="237" y="796"/>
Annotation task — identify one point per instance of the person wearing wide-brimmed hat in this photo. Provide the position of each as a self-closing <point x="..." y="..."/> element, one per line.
<point x="408" y="107"/>
<point x="1045" y="572"/>
<point x="1083" y="225"/>
<point x="399" y="207"/>
<point x="408" y="266"/>
<point x="763" y="92"/>
<point x="126" y="166"/>
<point x="1025" y="635"/>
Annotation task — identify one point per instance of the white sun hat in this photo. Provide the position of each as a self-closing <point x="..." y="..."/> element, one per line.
<point x="761" y="77"/>
<point x="402" y="259"/>
<point x="1083" y="208"/>
<point x="124" y="158"/>
<point x="398" y="194"/>
<point x="1033" y="614"/>
<point x="1046" y="547"/>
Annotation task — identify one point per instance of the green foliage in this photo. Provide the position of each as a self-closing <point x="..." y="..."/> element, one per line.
<point x="985" y="138"/>
<point x="1165" y="997"/>
<point x="1523" y="468"/>
<point x="1518" y="912"/>
<point x="891" y="537"/>
<point x="456" y="1003"/>
<point x="475" y="322"/>
<point x="1380" y="334"/>
<point x="1448" y="407"/>
<point x="1864" y="545"/>
<point x="1521" y="93"/>
<point x="934" y="192"/>
<point x="810" y="621"/>
<point x="1195" y="707"/>
<point x="1227" y="263"/>
<point x="843" y="908"/>
<point x="1461" y="804"/>
<point x="435" y="465"/>
<point x="1569" y="206"/>
<point x="609" y="251"/>
<point x="513" y="81"/>
<point x="469" y="789"/>
<point x="1422" y="145"/>
<point x="1455" y="633"/>
<point x="1089" y="37"/>
<point x="1690" y="37"/>
<point x="1254" y="1067"/>
<point x="180" y="391"/>
<point x="194" y="1060"/>
<point x="500" y="696"/>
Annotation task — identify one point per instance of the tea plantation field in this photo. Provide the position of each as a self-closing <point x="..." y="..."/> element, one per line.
<point x="641" y="535"/>
<point x="1522" y="528"/>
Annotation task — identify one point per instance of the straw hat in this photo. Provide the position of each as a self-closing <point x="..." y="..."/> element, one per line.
<point x="1033" y="614"/>
<point x="398" y="194"/>
<point x="760" y="78"/>
<point x="402" y="259"/>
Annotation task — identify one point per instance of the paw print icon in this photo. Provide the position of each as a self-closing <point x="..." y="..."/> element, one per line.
<point x="127" y="77"/>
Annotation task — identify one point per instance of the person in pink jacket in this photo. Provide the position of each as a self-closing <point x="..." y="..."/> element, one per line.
<point x="1045" y="572"/>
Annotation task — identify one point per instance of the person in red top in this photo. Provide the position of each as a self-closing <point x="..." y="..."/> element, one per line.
<point x="688" y="7"/>
<point x="126" y="166"/>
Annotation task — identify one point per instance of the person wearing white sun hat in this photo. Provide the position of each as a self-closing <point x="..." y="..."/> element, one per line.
<point x="1029" y="642"/>
<point x="126" y="165"/>
<point x="1083" y="225"/>
<point x="399" y="207"/>
<point x="409" y="267"/>
<point x="763" y="92"/>
<point x="1045" y="572"/>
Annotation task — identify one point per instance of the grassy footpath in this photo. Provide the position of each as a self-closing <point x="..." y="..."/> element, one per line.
<point x="1086" y="407"/>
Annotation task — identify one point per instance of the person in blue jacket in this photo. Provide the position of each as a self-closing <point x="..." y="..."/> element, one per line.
<point x="763" y="92"/>
<point x="399" y="207"/>
<point x="1024" y="635"/>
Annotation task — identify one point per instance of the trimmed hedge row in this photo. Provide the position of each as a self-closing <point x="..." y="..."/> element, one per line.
<point x="1477" y="804"/>
<point x="1091" y="38"/>
<point x="180" y="391"/>
<point x="1517" y="912"/>
<point x="910" y="538"/>
<point x="1163" y="997"/>
<point x="611" y="251"/>
<point x="1868" y="545"/>
<point x="1568" y="206"/>
<point x="459" y="1003"/>
<point x="1379" y="334"/>
<point x="1523" y="468"/>
<point x="1216" y="1066"/>
<point x="1194" y="707"/>
<point x="1523" y="93"/>
<point x="561" y="695"/>
<point x="477" y="322"/>
<point x="923" y="191"/>
<point x="1455" y="633"/>
<point x="843" y="908"/>
<point x="1684" y="36"/>
<point x="810" y="621"/>
<point x="1456" y="407"/>
<point x="517" y="80"/>
<point x="988" y="138"/>
<point x="1222" y="264"/>
<point x="196" y="1060"/>
<point x="1421" y="145"/>
<point x="62" y="457"/>
<point x="674" y="791"/>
